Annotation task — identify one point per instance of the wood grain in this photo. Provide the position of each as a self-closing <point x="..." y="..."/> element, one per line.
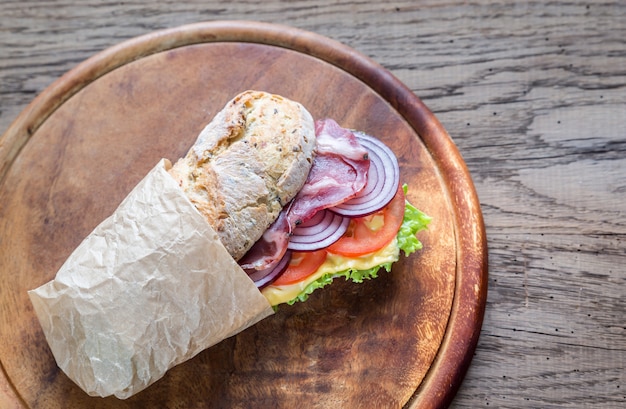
<point x="533" y="94"/>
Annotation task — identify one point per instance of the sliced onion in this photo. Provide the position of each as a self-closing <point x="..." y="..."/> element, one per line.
<point x="383" y="178"/>
<point x="320" y="231"/>
<point x="263" y="277"/>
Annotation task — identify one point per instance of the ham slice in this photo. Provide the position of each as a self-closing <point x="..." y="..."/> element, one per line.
<point x="338" y="173"/>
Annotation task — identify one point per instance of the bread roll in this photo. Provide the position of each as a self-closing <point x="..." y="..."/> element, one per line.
<point x="246" y="164"/>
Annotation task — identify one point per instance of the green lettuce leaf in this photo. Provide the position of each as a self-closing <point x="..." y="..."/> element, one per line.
<point x="413" y="222"/>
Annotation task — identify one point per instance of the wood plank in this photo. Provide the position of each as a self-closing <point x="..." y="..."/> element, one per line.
<point x="546" y="164"/>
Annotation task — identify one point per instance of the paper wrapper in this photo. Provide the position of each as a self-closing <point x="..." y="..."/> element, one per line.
<point x="149" y="288"/>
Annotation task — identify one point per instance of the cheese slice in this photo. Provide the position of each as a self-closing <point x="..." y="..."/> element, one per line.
<point x="334" y="264"/>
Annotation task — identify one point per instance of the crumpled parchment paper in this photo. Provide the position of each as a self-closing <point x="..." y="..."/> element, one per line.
<point x="149" y="288"/>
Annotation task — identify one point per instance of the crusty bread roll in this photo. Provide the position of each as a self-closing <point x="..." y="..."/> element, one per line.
<point x="246" y="164"/>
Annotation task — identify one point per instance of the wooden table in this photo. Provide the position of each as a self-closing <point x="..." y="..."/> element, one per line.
<point x="534" y="96"/>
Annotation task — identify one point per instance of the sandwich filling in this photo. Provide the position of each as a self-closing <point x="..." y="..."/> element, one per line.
<point x="356" y="268"/>
<point x="350" y="219"/>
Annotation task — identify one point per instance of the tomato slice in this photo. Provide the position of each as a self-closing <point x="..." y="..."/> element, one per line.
<point x="364" y="237"/>
<point x="302" y="265"/>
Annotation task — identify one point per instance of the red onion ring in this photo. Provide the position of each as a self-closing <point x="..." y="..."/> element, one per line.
<point x="262" y="278"/>
<point x="382" y="180"/>
<point x="320" y="231"/>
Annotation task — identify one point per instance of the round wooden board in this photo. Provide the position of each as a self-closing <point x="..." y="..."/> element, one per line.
<point x="404" y="339"/>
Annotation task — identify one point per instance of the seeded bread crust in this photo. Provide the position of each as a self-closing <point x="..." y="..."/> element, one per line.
<point x="246" y="164"/>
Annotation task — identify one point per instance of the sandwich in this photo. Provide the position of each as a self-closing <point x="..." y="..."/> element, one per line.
<point x="327" y="200"/>
<point x="267" y="206"/>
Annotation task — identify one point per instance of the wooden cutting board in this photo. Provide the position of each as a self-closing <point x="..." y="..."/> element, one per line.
<point x="404" y="339"/>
